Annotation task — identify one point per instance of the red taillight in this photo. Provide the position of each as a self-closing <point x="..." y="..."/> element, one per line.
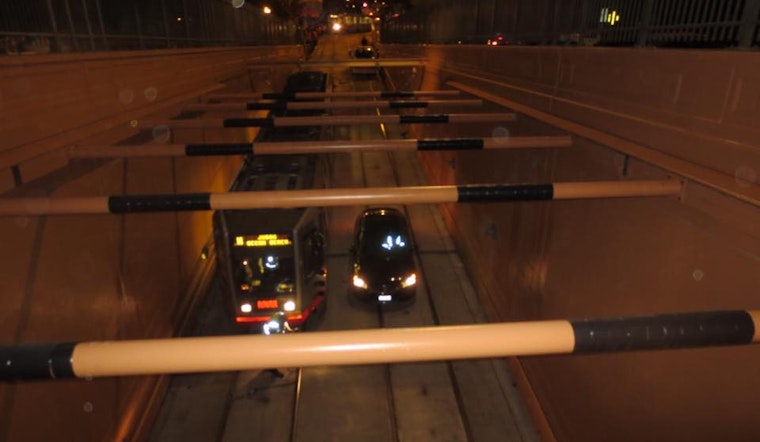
<point x="252" y="319"/>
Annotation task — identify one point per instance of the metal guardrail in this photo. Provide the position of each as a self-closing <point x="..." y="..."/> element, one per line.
<point x="661" y="23"/>
<point x="62" y="26"/>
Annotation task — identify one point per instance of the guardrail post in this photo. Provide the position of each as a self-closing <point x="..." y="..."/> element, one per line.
<point x="72" y="29"/>
<point x="57" y="36"/>
<point x="89" y="26"/>
<point x="642" y="35"/>
<point x="166" y="23"/>
<point x="749" y="20"/>
<point x="102" y="25"/>
<point x="186" y="22"/>
<point x="139" y="26"/>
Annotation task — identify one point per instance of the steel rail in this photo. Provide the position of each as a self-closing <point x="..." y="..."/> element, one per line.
<point x="377" y="346"/>
<point x="347" y="63"/>
<point x="335" y="94"/>
<point x="322" y="120"/>
<point x="338" y="197"/>
<point x="326" y="105"/>
<point x="301" y="147"/>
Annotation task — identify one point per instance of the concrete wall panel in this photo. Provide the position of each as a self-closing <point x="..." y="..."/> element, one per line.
<point x="73" y="278"/>
<point x="617" y="257"/>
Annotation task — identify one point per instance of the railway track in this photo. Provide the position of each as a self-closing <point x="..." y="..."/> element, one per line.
<point x="459" y="401"/>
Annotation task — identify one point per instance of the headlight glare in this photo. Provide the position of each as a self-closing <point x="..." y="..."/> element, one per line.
<point x="409" y="280"/>
<point x="359" y="282"/>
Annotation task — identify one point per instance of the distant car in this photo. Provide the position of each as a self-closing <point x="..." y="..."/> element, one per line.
<point x="498" y="40"/>
<point x="365" y="52"/>
<point x="382" y="258"/>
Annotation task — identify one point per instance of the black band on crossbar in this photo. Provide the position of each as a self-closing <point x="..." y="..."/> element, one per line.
<point x="248" y="122"/>
<point x="36" y="361"/>
<point x="505" y="192"/>
<point x="397" y="94"/>
<point x="423" y="119"/>
<point x="452" y="144"/>
<point x="278" y="96"/>
<point x="192" y="150"/>
<point x="159" y="203"/>
<point x="279" y="105"/>
<point x="681" y="330"/>
<point x="407" y="104"/>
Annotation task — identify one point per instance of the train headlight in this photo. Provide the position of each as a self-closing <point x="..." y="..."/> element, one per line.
<point x="359" y="282"/>
<point x="409" y="280"/>
<point x="289" y="305"/>
<point x="246" y="307"/>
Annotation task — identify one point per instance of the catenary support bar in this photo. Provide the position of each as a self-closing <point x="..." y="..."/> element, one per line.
<point x="379" y="63"/>
<point x="301" y="147"/>
<point x="337" y="94"/>
<point x="378" y="346"/>
<point x="322" y="120"/>
<point x="320" y="105"/>
<point x="338" y="197"/>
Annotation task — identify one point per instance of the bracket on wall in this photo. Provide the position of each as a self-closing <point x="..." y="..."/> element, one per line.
<point x="491" y="231"/>
<point x="626" y="161"/>
<point x="17" y="180"/>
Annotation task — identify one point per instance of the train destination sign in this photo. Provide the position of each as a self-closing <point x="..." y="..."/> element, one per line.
<point x="263" y="240"/>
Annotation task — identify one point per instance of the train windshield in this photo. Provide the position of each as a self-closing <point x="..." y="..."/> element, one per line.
<point x="266" y="272"/>
<point x="264" y="264"/>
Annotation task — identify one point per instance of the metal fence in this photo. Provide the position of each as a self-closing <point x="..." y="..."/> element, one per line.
<point x="43" y="26"/>
<point x="662" y="23"/>
<point x="671" y="23"/>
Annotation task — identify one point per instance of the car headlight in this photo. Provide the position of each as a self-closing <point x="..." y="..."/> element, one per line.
<point x="409" y="280"/>
<point x="359" y="282"/>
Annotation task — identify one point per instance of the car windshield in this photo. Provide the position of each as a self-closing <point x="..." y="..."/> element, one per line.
<point x="384" y="236"/>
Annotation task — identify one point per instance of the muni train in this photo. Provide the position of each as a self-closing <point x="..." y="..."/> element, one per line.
<point x="272" y="261"/>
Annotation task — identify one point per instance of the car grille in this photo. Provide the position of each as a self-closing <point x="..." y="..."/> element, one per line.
<point x="389" y="288"/>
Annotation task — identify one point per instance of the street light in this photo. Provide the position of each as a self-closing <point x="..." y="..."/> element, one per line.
<point x="267" y="10"/>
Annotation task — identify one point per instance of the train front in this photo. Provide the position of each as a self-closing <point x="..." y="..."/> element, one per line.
<point x="265" y="278"/>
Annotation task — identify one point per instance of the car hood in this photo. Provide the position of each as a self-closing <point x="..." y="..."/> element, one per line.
<point x="379" y="269"/>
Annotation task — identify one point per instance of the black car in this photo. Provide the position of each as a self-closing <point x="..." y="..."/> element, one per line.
<point x="498" y="40"/>
<point x="382" y="258"/>
<point x="365" y="52"/>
